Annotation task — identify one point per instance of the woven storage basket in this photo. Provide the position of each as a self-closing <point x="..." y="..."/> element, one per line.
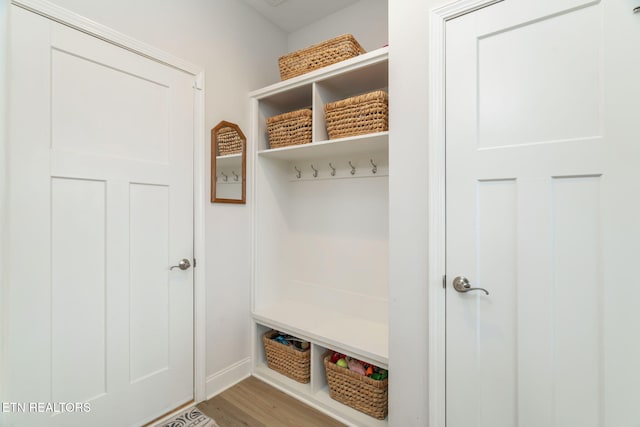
<point x="289" y="128"/>
<point x="287" y="360"/>
<point x="318" y="56"/>
<point x="358" y="115"/>
<point x="229" y="142"/>
<point x="358" y="391"/>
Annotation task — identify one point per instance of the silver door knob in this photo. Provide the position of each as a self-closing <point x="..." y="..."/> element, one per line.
<point x="462" y="284"/>
<point x="182" y="265"/>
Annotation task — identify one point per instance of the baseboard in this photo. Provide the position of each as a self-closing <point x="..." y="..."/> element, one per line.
<point x="229" y="376"/>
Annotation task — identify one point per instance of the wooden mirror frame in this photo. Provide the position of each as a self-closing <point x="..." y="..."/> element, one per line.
<point x="214" y="152"/>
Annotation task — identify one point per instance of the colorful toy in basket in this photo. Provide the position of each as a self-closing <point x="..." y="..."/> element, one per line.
<point x="358" y="384"/>
<point x="288" y="355"/>
<point x="355" y="365"/>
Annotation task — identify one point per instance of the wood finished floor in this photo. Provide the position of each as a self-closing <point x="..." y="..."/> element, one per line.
<point x="254" y="403"/>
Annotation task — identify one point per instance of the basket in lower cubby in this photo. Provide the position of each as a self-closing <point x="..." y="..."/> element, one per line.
<point x="286" y="359"/>
<point x="357" y="391"/>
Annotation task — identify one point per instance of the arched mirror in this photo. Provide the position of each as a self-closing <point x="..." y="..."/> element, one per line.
<point x="228" y="163"/>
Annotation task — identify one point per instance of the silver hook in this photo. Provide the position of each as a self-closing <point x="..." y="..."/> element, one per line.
<point x="235" y="175"/>
<point x="299" y="172"/>
<point x="353" y="168"/>
<point x="226" y="178"/>
<point x="315" y="172"/>
<point x="636" y="9"/>
<point x="375" y="167"/>
<point x="333" y="170"/>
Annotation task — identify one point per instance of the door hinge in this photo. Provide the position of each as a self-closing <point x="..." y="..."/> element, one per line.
<point x="197" y="83"/>
<point x="444" y="280"/>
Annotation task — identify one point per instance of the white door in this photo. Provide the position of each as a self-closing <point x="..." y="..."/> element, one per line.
<point x="101" y="204"/>
<point x="543" y="210"/>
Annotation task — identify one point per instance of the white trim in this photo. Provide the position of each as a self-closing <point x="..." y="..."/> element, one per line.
<point x="199" y="223"/>
<point x="437" y="215"/>
<point x="102" y="32"/>
<point x="4" y="187"/>
<point x="228" y="377"/>
<point x="73" y="20"/>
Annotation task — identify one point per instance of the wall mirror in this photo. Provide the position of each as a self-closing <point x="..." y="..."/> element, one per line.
<point x="228" y="163"/>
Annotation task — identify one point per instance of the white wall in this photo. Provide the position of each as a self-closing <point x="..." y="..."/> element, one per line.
<point x="238" y="49"/>
<point x="366" y="20"/>
<point x="408" y="228"/>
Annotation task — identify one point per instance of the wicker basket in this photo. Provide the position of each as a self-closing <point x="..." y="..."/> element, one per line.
<point x="287" y="360"/>
<point x="229" y="142"/>
<point x="358" y="391"/>
<point x="368" y="113"/>
<point x="318" y="56"/>
<point x="289" y="129"/>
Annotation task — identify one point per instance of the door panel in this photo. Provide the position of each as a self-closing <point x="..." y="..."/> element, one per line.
<point x="101" y="205"/>
<point x="136" y="129"/>
<point x="541" y="163"/>
<point x="78" y="289"/>
<point x="149" y="246"/>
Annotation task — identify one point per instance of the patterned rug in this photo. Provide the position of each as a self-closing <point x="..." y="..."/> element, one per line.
<point x="191" y="417"/>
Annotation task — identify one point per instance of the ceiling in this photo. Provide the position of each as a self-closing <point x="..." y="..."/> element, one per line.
<point x="291" y="15"/>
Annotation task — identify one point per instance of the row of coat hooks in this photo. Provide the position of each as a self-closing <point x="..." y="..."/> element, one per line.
<point x="374" y="169"/>
<point x="225" y="177"/>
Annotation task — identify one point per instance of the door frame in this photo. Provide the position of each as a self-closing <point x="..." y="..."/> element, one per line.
<point x="438" y="18"/>
<point x="80" y="23"/>
<point x="4" y="187"/>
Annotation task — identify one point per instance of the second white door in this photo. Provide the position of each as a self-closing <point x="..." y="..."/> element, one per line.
<point x="101" y="176"/>
<point x="543" y="205"/>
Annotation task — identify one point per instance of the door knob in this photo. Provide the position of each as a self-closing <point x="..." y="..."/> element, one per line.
<point x="182" y="265"/>
<point x="462" y="284"/>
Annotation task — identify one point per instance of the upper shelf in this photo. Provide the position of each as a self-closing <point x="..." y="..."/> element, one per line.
<point x="231" y="160"/>
<point x="343" y="74"/>
<point x="361" y="144"/>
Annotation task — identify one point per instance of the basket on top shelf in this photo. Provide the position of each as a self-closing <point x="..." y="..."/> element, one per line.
<point x="362" y="114"/>
<point x="229" y="141"/>
<point x="357" y="391"/>
<point x="289" y="128"/>
<point x="318" y="56"/>
<point x="287" y="359"/>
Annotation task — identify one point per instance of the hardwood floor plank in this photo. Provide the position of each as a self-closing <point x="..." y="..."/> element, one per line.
<point x="227" y="414"/>
<point x="254" y="403"/>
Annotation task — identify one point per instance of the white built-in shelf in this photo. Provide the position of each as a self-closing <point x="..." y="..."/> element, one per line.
<point x="364" y="339"/>
<point x="343" y="147"/>
<point x="342" y="74"/>
<point x="306" y="280"/>
<point x="229" y="156"/>
<point x="231" y="160"/>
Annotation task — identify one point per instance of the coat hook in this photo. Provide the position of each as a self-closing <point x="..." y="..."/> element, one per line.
<point x="236" y="176"/>
<point x="375" y="167"/>
<point x="299" y="172"/>
<point x="226" y="178"/>
<point x="333" y="170"/>
<point x="636" y="9"/>
<point x="315" y="172"/>
<point x="353" y="168"/>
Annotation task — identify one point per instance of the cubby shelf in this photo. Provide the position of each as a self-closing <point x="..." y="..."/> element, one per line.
<point x="320" y="237"/>
<point x="229" y="156"/>
<point x="357" y="145"/>
<point x="316" y="392"/>
<point x="290" y="91"/>
<point x="360" y="338"/>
